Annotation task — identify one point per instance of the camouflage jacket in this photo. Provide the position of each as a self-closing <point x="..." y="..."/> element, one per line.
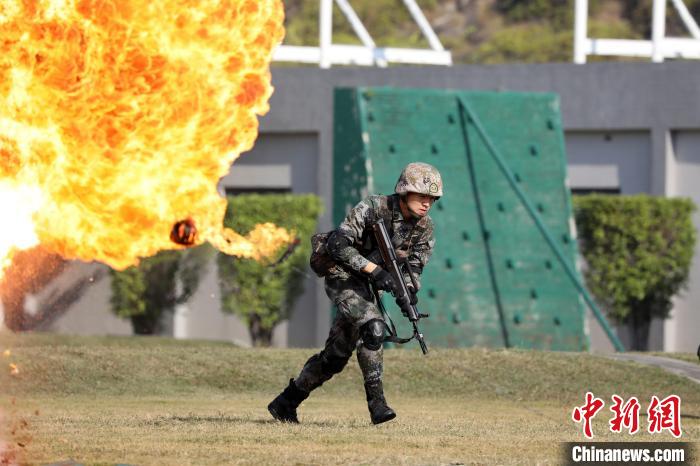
<point x="412" y="238"/>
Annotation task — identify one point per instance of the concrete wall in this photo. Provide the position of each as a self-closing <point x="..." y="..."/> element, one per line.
<point x="612" y="160"/>
<point x="630" y="124"/>
<point x="638" y="104"/>
<point x="78" y="303"/>
<point x="685" y="181"/>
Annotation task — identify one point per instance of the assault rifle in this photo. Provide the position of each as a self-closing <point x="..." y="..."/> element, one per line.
<point x="397" y="267"/>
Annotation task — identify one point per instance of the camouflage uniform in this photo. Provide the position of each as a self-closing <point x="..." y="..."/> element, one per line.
<point x="359" y="323"/>
<point x="348" y="287"/>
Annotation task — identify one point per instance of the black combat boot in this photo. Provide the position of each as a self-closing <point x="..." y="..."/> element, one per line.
<point x="379" y="411"/>
<point x="284" y="407"/>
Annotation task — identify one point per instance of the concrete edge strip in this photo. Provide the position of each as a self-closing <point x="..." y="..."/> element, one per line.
<point x="675" y="366"/>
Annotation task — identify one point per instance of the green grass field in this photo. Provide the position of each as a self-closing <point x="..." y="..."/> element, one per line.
<point x="160" y="401"/>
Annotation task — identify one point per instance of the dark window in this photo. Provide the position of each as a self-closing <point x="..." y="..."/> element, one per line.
<point x="233" y="191"/>
<point x="584" y="191"/>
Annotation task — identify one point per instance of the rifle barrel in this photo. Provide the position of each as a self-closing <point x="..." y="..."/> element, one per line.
<point x="392" y="264"/>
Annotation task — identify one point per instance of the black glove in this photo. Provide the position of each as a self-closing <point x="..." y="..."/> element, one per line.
<point x="383" y="280"/>
<point x="403" y="303"/>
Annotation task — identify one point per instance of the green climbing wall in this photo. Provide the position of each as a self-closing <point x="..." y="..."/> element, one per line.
<point x="493" y="280"/>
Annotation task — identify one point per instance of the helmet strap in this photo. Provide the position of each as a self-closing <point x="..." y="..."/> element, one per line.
<point x="403" y="202"/>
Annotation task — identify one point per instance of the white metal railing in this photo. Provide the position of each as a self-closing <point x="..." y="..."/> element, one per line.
<point x="367" y="54"/>
<point x="658" y="48"/>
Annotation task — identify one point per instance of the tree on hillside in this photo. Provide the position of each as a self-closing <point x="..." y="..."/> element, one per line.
<point x="487" y="31"/>
<point x="388" y="22"/>
<point x="639" y="13"/>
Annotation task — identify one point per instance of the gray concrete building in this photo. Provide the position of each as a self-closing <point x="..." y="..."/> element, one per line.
<point x="629" y="128"/>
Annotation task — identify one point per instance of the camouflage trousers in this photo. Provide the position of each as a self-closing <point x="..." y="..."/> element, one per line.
<point x="356" y="305"/>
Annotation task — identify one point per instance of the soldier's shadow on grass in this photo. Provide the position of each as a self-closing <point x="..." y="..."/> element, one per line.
<point x="215" y="419"/>
<point x="228" y="419"/>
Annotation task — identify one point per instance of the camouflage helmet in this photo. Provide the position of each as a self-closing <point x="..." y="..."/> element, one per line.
<point x="419" y="177"/>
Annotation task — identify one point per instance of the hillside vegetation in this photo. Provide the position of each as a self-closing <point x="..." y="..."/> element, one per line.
<point x="487" y="31"/>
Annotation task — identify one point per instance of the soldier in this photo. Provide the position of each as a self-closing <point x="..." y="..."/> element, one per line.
<point x="359" y="324"/>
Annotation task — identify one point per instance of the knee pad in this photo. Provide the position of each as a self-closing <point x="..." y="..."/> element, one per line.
<point x="333" y="364"/>
<point x="372" y="334"/>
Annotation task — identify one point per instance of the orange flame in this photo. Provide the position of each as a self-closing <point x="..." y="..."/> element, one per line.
<point x="118" y="118"/>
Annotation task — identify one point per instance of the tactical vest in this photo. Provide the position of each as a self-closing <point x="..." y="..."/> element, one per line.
<point x="388" y="210"/>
